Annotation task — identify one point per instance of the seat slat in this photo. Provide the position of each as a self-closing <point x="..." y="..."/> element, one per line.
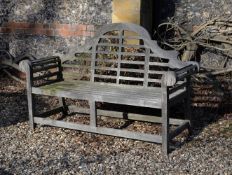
<point x="122" y="94"/>
<point x="101" y="96"/>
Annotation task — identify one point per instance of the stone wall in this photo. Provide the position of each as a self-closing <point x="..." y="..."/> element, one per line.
<point x="49" y="27"/>
<point x="62" y="11"/>
<point x="190" y="13"/>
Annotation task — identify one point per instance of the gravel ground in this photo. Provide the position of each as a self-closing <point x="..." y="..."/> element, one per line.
<point x="50" y="150"/>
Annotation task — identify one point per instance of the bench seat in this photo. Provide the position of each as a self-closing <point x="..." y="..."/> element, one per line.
<point x="105" y="92"/>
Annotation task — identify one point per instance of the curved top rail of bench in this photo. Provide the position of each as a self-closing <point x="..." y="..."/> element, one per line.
<point x="114" y="27"/>
<point x="144" y="35"/>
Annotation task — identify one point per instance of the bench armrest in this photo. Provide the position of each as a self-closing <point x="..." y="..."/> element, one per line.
<point x="186" y="71"/>
<point x="43" y="71"/>
<point x="170" y="78"/>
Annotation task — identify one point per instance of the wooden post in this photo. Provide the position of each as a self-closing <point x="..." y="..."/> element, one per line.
<point x="165" y="116"/>
<point x="188" y="110"/>
<point x="64" y="106"/>
<point x="30" y="99"/>
<point x="93" y="113"/>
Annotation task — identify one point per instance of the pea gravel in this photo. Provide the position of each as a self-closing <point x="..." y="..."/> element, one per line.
<point x="49" y="150"/>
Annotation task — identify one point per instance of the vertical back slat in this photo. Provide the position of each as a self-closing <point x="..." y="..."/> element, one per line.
<point x="121" y="33"/>
<point x="146" y="67"/>
<point x="93" y="62"/>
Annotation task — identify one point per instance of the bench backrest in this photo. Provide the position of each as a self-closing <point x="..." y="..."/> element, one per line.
<point x="125" y="54"/>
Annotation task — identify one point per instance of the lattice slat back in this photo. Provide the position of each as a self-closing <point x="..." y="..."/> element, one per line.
<point x="124" y="57"/>
<point x="125" y="54"/>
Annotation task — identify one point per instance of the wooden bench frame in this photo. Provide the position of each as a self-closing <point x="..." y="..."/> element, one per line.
<point x="170" y="84"/>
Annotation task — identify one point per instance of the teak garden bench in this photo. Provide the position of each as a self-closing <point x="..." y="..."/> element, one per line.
<point x="127" y="68"/>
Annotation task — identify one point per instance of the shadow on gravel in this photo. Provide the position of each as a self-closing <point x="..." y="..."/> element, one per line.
<point x="13" y="108"/>
<point x="3" y="172"/>
<point x="216" y="101"/>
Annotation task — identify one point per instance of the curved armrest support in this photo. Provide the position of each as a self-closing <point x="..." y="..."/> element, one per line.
<point x="170" y="78"/>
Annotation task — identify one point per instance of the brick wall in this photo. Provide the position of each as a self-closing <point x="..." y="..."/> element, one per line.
<point x="52" y="29"/>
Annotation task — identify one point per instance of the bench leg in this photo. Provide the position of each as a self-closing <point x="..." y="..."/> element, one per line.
<point x="188" y="114"/>
<point x="63" y="104"/>
<point x="188" y="110"/>
<point x="30" y="101"/>
<point x="165" y="130"/>
<point x="165" y="120"/>
<point x="93" y="113"/>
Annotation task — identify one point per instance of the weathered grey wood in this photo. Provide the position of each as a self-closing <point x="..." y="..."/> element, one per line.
<point x="105" y="76"/>
<point x="122" y="115"/>
<point x="93" y="113"/>
<point x="159" y="64"/>
<point x="40" y="62"/>
<point x="185" y="72"/>
<point x="30" y="95"/>
<point x="101" y="130"/>
<point x="60" y="69"/>
<point x="177" y="87"/>
<point x="146" y="69"/>
<point x="75" y="66"/>
<point x="119" y="55"/>
<point x="124" y="45"/>
<point x="130" y="74"/>
<point x="93" y="63"/>
<point x="47" y="67"/>
<point x="131" y="78"/>
<point x="47" y="75"/>
<point x="188" y="110"/>
<point x="154" y="80"/>
<point x="106" y="60"/>
<point x="139" y="96"/>
<point x="46" y="59"/>
<point x="64" y="106"/>
<point x="106" y="68"/>
<point x="132" y="70"/>
<point x="165" y="118"/>
<point x="133" y="62"/>
<point x="51" y="112"/>
<point x="156" y="72"/>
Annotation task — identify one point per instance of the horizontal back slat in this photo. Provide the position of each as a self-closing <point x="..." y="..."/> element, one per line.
<point x="133" y="62"/>
<point x="39" y="69"/>
<point x="47" y="75"/>
<point x="105" y="76"/>
<point x="131" y="78"/>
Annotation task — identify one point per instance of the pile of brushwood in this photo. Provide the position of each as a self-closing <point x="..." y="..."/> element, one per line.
<point x="211" y="45"/>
